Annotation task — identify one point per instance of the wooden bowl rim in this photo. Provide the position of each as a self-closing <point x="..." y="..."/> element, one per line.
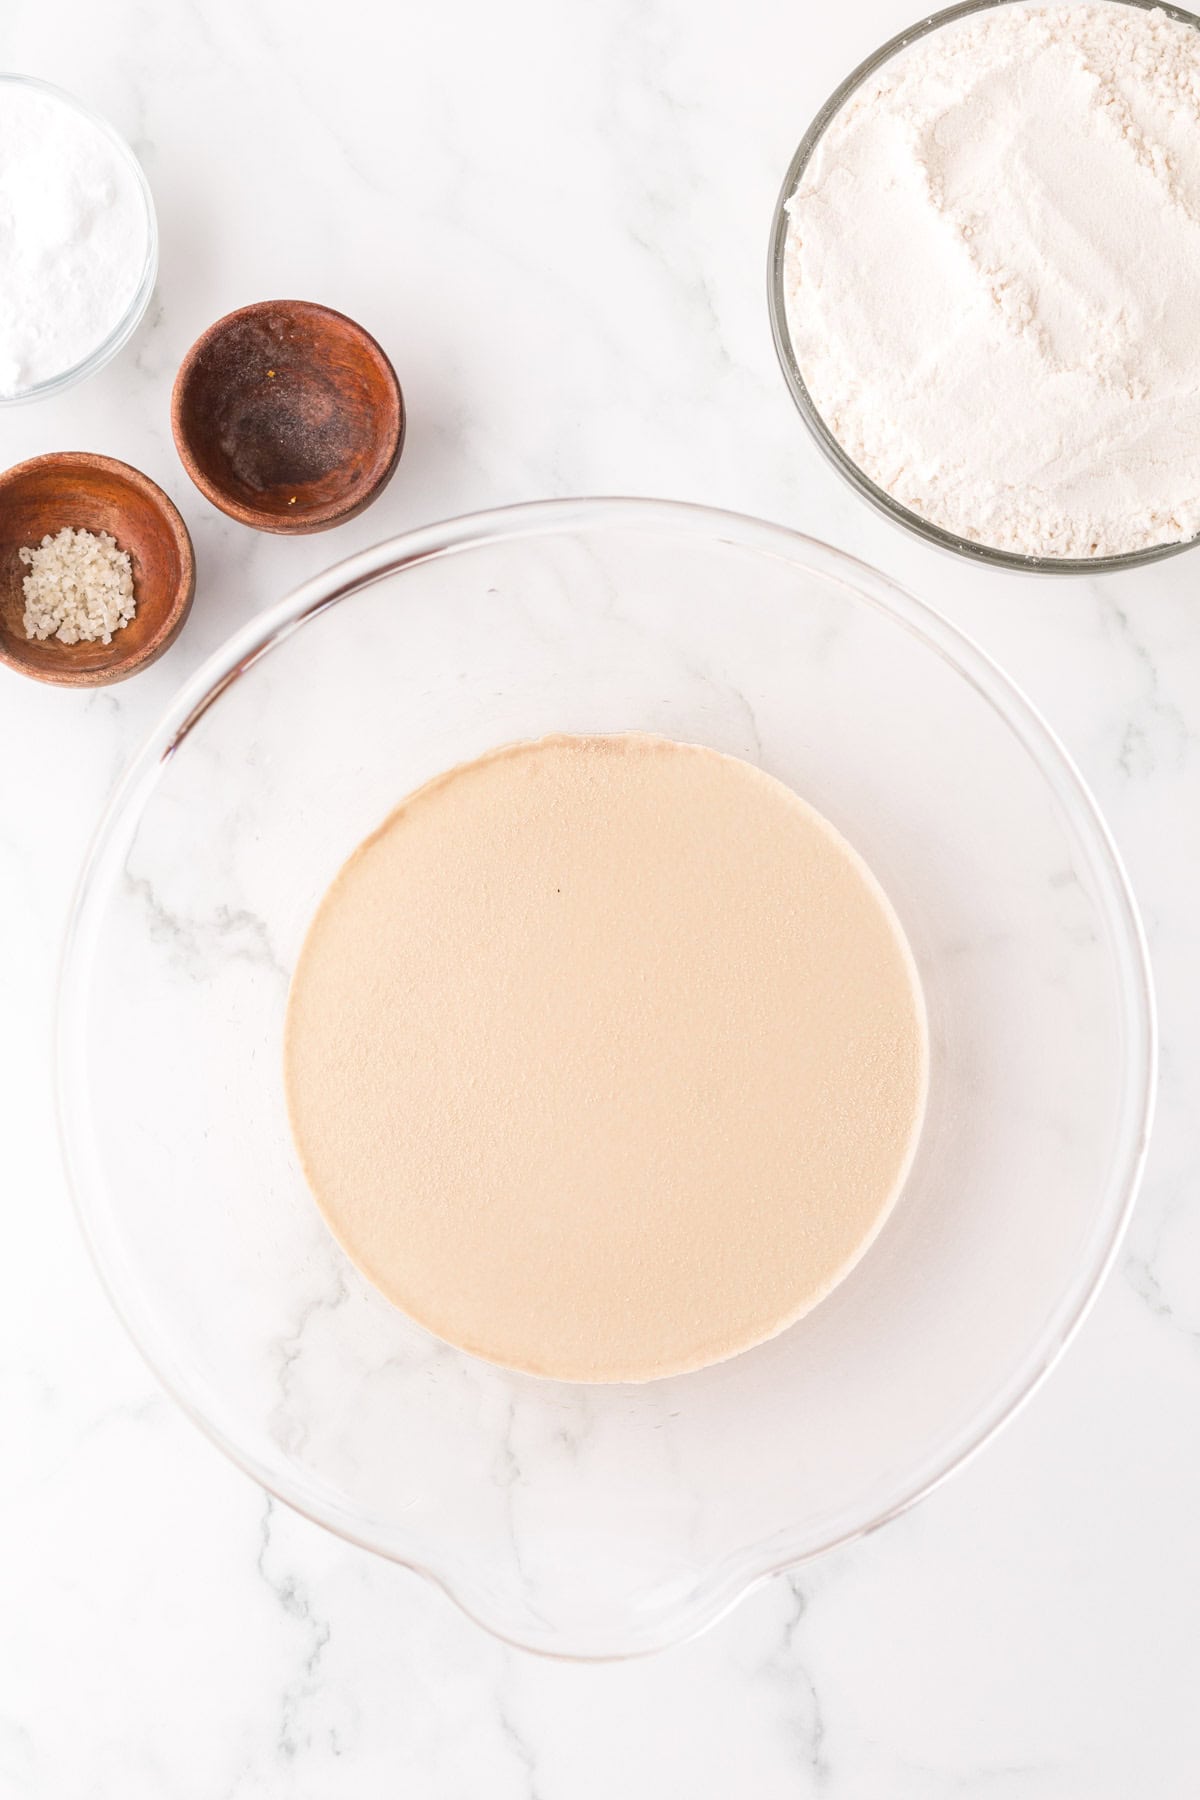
<point x="317" y="518"/>
<point x="173" y="619"/>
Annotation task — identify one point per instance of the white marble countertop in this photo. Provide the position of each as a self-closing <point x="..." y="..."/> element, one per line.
<point x="555" y="219"/>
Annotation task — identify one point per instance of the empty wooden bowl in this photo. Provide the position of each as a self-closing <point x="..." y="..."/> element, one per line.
<point x="93" y="493"/>
<point x="288" y="416"/>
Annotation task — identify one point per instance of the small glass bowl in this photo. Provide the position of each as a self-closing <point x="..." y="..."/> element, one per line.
<point x="131" y="318"/>
<point x="601" y="1521"/>
<point x="903" y="515"/>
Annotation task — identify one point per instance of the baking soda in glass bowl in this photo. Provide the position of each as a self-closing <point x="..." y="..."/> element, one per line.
<point x="78" y="245"/>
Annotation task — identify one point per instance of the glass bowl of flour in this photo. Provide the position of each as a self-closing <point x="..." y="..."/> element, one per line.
<point x="600" y="1517"/>
<point x="78" y="241"/>
<point x="984" y="278"/>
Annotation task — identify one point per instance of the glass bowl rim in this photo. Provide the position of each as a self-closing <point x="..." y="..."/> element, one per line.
<point x="824" y="438"/>
<point x="131" y="318"/>
<point x="723" y="1585"/>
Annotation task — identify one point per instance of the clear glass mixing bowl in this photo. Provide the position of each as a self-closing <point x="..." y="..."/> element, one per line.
<point x="584" y="1520"/>
<point x="794" y="378"/>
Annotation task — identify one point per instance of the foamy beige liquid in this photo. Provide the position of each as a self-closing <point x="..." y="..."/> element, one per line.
<point x="605" y="1057"/>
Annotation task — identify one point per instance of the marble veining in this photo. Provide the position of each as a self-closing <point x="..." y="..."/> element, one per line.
<point x="555" y="219"/>
<point x="197" y="944"/>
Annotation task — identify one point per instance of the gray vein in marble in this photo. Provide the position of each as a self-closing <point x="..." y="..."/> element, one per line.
<point x="312" y="100"/>
<point x="1138" y="756"/>
<point x="575" y="1427"/>
<point x="662" y="185"/>
<point x="293" y="1736"/>
<point x="507" y="1473"/>
<point x="1142" y="1274"/>
<point x="153" y="356"/>
<point x="509" y="1476"/>
<point x="787" y="1666"/>
<point x="106" y="705"/>
<point x="138" y="1412"/>
<point x="1139" y="1272"/>
<point x="292" y="1432"/>
<point x="702" y="674"/>
<point x="522" y="1749"/>
<point x="199" y="944"/>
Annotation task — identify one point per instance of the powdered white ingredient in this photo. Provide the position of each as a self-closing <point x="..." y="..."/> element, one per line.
<point x="73" y="237"/>
<point x="993" y="278"/>
<point x="79" y="587"/>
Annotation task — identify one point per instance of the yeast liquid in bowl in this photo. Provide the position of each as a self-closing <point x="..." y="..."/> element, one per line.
<point x="605" y="1057"/>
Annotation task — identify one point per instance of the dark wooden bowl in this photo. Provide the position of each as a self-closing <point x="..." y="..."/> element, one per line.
<point x="94" y="493"/>
<point x="288" y="416"/>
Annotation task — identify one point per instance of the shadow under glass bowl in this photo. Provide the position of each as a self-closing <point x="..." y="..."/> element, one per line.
<point x="601" y="1521"/>
<point x="805" y="405"/>
<point x="124" y="328"/>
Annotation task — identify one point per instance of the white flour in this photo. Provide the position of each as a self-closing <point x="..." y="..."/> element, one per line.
<point x="73" y="237"/>
<point x="993" y="278"/>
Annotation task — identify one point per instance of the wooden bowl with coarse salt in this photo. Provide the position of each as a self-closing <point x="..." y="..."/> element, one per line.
<point x="76" y="492"/>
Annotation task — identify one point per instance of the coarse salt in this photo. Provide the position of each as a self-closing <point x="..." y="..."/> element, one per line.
<point x="79" y="588"/>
